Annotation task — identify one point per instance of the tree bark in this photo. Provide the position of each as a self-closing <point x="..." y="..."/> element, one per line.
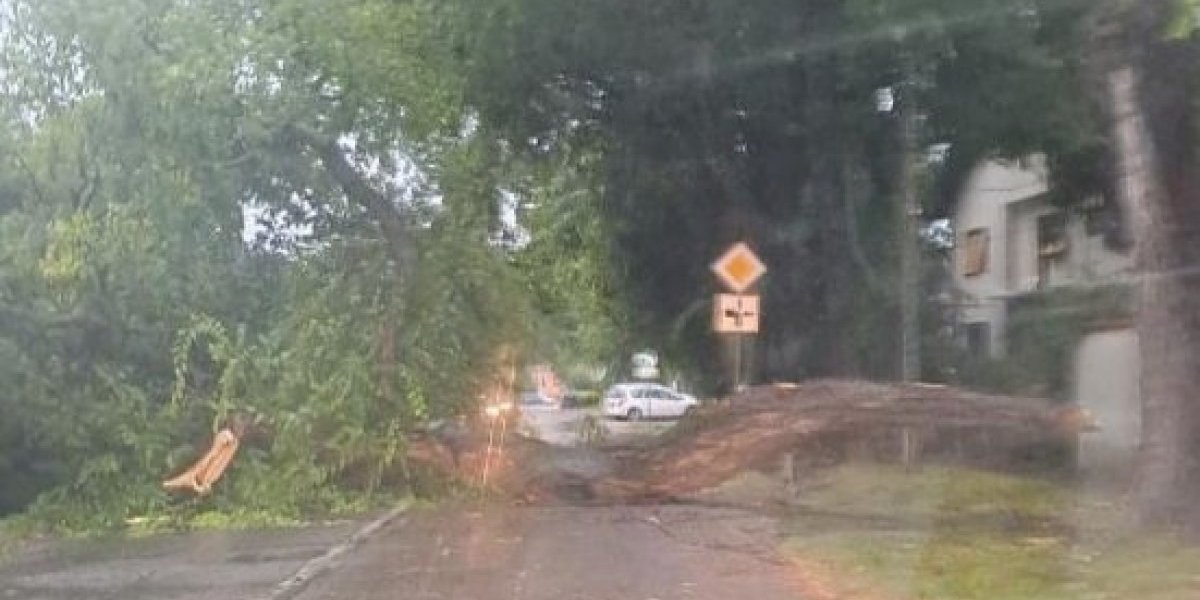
<point x="823" y="201"/>
<point x="1160" y="204"/>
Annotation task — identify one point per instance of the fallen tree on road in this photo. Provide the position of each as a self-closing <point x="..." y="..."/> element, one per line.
<point x="759" y="427"/>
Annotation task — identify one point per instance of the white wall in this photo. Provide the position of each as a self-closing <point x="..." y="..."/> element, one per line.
<point x="984" y="202"/>
<point x="1022" y="241"/>
<point x="1088" y="260"/>
<point x="1007" y="198"/>
<point x="1106" y="385"/>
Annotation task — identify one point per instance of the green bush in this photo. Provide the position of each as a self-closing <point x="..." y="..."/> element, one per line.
<point x="1044" y="331"/>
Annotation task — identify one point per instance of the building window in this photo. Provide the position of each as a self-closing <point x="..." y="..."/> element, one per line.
<point x="975" y="252"/>
<point x="1096" y="216"/>
<point x="1052" y="235"/>
<point x="1052" y="245"/>
<point x="979" y="339"/>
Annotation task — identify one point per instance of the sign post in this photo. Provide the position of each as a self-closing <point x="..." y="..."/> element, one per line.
<point x="737" y="314"/>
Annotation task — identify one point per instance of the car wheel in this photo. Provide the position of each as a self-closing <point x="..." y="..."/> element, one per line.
<point x="634" y="414"/>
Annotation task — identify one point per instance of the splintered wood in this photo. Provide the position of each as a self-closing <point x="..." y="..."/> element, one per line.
<point x="200" y="477"/>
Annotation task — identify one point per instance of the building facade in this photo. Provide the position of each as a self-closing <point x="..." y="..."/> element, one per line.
<point x="1014" y="244"/>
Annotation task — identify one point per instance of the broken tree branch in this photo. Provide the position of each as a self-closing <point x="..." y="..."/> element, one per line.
<point x="358" y="189"/>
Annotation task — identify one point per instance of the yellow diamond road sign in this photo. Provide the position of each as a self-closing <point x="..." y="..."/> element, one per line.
<point x="739" y="268"/>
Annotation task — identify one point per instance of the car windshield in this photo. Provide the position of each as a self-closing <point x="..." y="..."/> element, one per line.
<point x="625" y="299"/>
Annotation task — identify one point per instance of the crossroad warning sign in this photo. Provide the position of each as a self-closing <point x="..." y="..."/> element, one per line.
<point x="734" y="313"/>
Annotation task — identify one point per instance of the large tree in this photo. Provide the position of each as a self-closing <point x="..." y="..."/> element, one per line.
<point x="141" y="136"/>
<point x="1151" y="69"/>
<point x="721" y="120"/>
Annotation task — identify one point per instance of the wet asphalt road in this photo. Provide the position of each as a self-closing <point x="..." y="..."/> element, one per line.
<point x="467" y="552"/>
<point x="210" y="565"/>
<point x="464" y="552"/>
<point x="566" y="553"/>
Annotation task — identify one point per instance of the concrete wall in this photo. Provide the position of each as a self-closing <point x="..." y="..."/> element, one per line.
<point x="1106" y="385"/>
<point x="1022" y="251"/>
<point x="984" y="203"/>
<point x="1087" y="260"/>
<point x="1007" y="198"/>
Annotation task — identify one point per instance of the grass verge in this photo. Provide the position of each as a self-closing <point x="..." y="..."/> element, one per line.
<point x="958" y="534"/>
<point x="9" y="538"/>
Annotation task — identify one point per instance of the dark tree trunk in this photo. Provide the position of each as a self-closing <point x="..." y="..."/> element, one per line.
<point x="823" y="200"/>
<point x="1159" y="188"/>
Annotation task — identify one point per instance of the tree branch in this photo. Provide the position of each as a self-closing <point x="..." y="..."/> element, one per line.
<point x="90" y="182"/>
<point x="33" y="179"/>
<point x="359" y="190"/>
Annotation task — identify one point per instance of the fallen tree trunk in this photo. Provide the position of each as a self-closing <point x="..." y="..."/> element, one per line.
<point x="760" y="426"/>
<point x="764" y="423"/>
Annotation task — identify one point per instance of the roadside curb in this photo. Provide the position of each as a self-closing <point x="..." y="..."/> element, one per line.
<point x="292" y="586"/>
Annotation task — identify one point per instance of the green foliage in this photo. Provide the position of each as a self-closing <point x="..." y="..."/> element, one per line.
<point x="728" y="120"/>
<point x="134" y="319"/>
<point x="1184" y="20"/>
<point x="383" y="145"/>
<point x="569" y="266"/>
<point x="1044" y="330"/>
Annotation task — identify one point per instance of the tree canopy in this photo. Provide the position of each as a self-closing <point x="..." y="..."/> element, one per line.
<point x="218" y="207"/>
<point x="346" y="218"/>
<point x="719" y="121"/>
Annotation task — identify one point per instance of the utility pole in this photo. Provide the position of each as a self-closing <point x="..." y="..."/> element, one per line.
<point x="908" y="221"/>
<point x="907" y="210"/>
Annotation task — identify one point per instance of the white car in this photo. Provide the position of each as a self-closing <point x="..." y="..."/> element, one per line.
<point x="637" y="401"/>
